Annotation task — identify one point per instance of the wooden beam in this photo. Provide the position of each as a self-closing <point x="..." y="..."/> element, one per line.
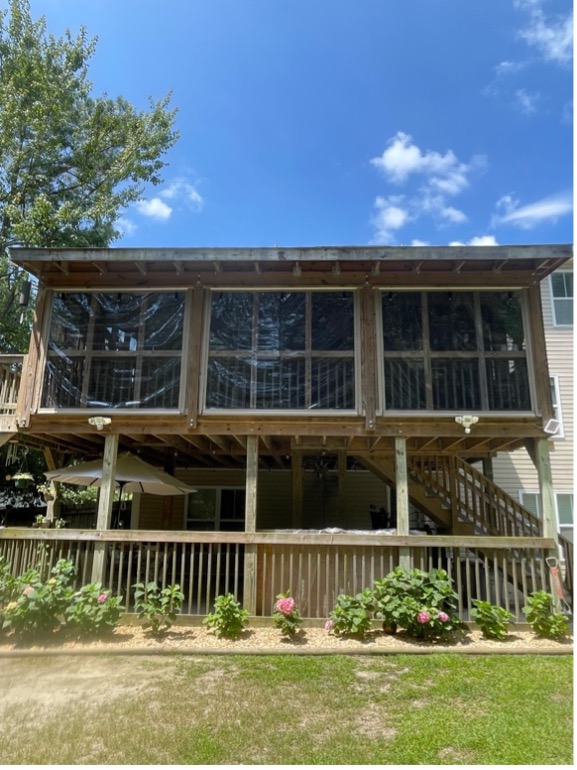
<point x="402" y="497"/>
<point x="297" y="488"/>
<point x="105" y="503"/>
<point x="250" y="553"/>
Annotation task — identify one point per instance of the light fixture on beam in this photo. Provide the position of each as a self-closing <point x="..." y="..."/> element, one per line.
<point x="551" y="427"/>
<point x="99" y="422"/>
<point x="466" y="420"/>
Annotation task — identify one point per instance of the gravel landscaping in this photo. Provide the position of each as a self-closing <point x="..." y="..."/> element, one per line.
<point x="196" y="639"/>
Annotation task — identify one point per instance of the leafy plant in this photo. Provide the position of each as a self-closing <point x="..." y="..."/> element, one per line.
<point x="286" y="616"/>
<point x="158" y="607"/>
<point x="93" y="610"/>
<point x="420" y="602"/>
<point x="350" y="617"/>
<point x="491" y="619"/>
<point x="228" y="619"/>
<point x="38" y="606"/>
<point x="543" y="618"/>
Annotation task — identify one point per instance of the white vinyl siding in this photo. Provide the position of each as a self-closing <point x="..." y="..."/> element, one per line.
<point x="514" y="471"/>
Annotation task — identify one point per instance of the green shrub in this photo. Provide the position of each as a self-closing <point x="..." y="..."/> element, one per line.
<point x="491" y="619"/>
<point x="543" y="618"/>
<point x="286" y="616"/>
<point x="157" y="607"/>
<point x="350" y="617"/>
<point x="38" y="606"/>
<point x="93" y="610"/>
<point x="422" y="603"/>
<point x="228" y="619"/>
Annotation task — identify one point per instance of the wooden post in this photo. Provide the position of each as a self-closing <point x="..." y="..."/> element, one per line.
<point x="402" y="497"/>
<point x="547" y="501"/>
<point x="250" y="549"/>
<point x="105" y="502"/>
<point x="342" y="461"/>
<point x="297" y="488"/>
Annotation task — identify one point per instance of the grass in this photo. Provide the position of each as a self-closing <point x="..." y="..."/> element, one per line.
<point x="389" y="710"/>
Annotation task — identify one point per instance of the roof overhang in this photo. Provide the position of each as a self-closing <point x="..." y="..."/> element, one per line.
<point x="523" y="265"/>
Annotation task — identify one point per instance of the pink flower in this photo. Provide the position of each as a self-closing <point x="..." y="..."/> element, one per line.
<point x="28" y="590"/>
<point x="423" y="617"/>
<point x="102" y="598"/>
<point x="443" y="617"/>
<point x="328" y="625"/>
<point x="286" y="606"/>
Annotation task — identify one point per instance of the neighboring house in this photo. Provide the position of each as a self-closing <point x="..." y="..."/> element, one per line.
<point x="328" y="405"/>
<point x="515" y="471"/>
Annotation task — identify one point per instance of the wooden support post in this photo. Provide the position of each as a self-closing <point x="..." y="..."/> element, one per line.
<point x="547" y="501"/>
<point x="105" y="503"/>
<point x="297" y="488"/>
<point x="250" y="549"/>
<point x="402" y="497"/>
<point x="342" y="465"/>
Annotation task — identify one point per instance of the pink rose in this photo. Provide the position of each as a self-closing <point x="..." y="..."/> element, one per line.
<point x="28" y="590"/>
<point x="328" y="625"/>
<point x="423" y="617"/>
<point x="443" y="617"/>
<point x="102" y="598"/>
<point x="286" y="606"/>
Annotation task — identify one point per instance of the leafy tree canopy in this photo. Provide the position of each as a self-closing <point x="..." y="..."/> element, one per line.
<point x="70" y="162"/>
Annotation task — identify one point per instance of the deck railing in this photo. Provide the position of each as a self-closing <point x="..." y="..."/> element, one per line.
<point x="315" y="567"/>
<point x="10" y="374"/>
<point x="474" y="497"/>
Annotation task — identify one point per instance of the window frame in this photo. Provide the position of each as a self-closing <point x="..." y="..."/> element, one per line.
<point x="218" y="520"/>
<point x="479" y="355"/>
<point x="555" y="299"/>
<point x="254" y="410"/>
<point x="140" y="355"/>
<point x="557" y="409"/>
<point x="522" y="494"/>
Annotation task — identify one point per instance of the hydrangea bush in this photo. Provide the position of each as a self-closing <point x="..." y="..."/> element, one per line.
<point x="93" y="610"/>
<point x="287" y="617"/>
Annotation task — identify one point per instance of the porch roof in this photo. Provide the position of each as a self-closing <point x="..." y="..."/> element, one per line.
<point x="525" y="264"/>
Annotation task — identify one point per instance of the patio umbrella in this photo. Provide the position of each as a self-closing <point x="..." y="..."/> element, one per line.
<point x="132" y="475"/>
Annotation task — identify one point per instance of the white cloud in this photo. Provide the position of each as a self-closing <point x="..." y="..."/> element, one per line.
<point x="440" y="176"/>
<point x="389" y="216"/>
<point x="417" y="242"/>
<point x="532" y="214"/>
<point x="553" y="38"/>
<point x="181" y="190"/>
<point x="479" y="240"/>
<point x="154" y="209"/>
<point x="402" y="158"/>
<point x="527" y="101"/>
<point x="125" y="226"/>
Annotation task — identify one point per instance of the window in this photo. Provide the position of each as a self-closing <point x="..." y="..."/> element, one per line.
<point x="563" y="503"/>
<point x="281" y="350"/>
<point x="450" y="350"/>
<point x="120" y="350"/>
<point x="562" y="294"/>
<point x="216" y="508"/>
<point x="556" y="401"/>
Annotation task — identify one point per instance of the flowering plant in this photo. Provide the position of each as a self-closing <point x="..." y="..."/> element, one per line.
<point x="420" y="602"/>
<point x="286" y="616"/>
<point x="93" y="610"/>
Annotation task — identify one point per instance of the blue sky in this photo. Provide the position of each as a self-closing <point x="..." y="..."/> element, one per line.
<point x="317" y="122"/>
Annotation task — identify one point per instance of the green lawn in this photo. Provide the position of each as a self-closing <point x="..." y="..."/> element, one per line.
<point x="435" y="709"/>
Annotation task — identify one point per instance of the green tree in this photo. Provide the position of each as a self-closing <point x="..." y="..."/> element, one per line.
<point x="70" y="162"/>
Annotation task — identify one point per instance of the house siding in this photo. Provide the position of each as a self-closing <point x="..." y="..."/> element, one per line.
<point x="515" y="472"/>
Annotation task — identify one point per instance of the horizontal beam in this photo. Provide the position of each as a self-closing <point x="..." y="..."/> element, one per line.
<point x="275" y="538"/>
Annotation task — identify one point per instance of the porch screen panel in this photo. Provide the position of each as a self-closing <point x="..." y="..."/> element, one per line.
<point x="281" y="350"/>
<point x="114" y="350"/>
<point x="454" y="350"/>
